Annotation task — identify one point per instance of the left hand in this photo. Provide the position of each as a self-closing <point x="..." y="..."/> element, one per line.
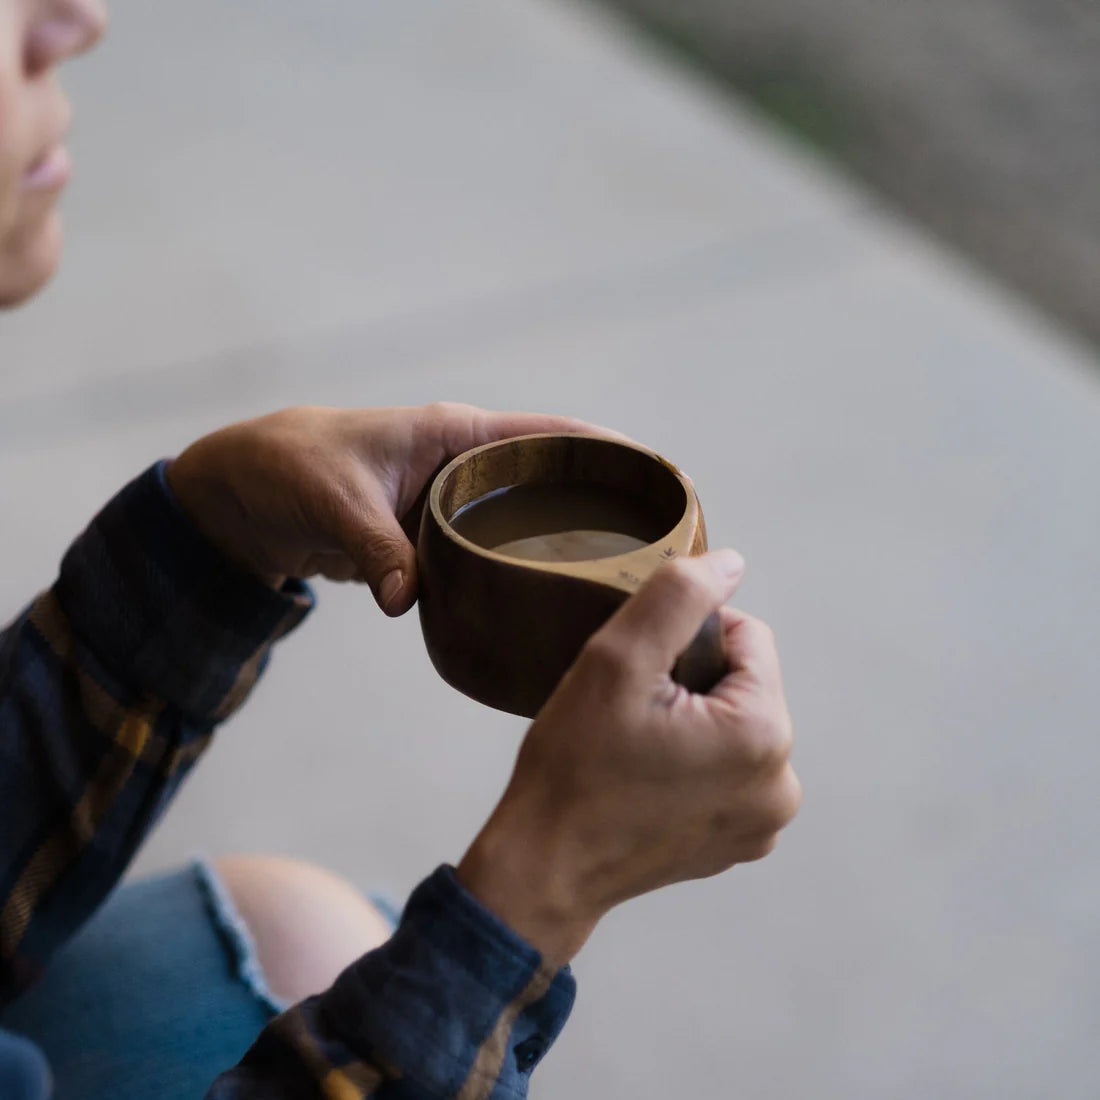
<point x="311" y="491"/>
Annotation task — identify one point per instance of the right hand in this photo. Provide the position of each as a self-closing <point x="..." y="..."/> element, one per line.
<point x="627" y="782"/>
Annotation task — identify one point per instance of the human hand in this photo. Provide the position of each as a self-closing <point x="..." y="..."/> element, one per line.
<point x="312" y="491"/>
<point x="627" y="782"/>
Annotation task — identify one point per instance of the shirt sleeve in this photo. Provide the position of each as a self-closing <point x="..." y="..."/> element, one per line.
<point x="111" y="684"/>
<point x="454" y="1005"/>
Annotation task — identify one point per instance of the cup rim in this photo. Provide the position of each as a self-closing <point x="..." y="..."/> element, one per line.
<point x="589" y="565"/>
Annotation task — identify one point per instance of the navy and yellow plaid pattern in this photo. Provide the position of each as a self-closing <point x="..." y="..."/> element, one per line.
<point x="455" y="1005"/>
<point x="111" y="685"/>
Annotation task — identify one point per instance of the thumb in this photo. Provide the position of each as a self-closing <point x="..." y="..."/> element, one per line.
<point x="383" y="555"/>
<point x="658" y="623"/>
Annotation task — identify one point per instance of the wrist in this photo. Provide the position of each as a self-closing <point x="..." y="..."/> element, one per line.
<point x="209" y="506"/>
<point x="522" y="876"/>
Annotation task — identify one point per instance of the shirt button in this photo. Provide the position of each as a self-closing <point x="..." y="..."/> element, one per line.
<point x="529" y="1052"/>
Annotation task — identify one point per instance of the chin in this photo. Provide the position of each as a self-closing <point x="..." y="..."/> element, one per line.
<point x="30" y="263"/>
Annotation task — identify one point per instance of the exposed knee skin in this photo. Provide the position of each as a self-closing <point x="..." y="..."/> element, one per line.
<point x="307" y="923"/>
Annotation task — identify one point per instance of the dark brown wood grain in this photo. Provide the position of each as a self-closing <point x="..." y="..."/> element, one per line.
<point x="502" y="630"/>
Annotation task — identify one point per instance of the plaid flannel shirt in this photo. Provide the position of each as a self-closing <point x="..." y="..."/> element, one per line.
<point x="111" y="686"/>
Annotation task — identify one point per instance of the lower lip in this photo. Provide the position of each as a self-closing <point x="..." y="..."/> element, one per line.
<point x="51" y="173"/>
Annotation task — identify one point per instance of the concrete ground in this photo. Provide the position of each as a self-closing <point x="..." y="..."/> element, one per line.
<point x="978" y="118"/>
<point x="513" y="205"/>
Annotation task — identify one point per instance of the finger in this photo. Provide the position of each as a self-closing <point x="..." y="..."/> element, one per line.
<point x="658" y="623"/>
<point x="372" y="537"/>
<point x="751" y="652"/>
<point x="484" y="426"/>
<point x="446" y="429"/>
<point x="336" y="567"/>
<point x="510" y="424"/>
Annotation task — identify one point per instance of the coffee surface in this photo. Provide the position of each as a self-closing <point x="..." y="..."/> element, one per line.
<point x="564" y="522"/>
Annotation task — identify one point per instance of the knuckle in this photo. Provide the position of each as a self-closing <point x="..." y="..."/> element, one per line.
<point x="766" y="738"/>
<point x="760" y="848"/>
<point x="338" y="503"/>
<point x="765" y="631"/>
<point x="763" y="640"/>
<point x="442" y="410"/>
<point x="782" y="803"/>
<point x="455" y="425"/>
<point x="684" y="580"/>
<point x="442" y="414"/>
<point x="605" y="655"/>
<point x="759" y="627"/>
<point x="792" y="796"/>
<point x="782" y="737"/>
<point x="430" y="419"/>
<point x="381" y="548"/>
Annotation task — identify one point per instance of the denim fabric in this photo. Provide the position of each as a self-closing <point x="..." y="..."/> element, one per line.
<point x="157" y="995"/>
<point x="161" y="992"/>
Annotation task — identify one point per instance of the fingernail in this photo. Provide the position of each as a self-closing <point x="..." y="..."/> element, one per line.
<point x="727" y="563"/>
<point x="392" y="584"/>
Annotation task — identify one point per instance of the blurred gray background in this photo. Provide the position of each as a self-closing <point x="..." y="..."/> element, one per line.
<point x="980" y="118"/>
<point x="525" y="205"/>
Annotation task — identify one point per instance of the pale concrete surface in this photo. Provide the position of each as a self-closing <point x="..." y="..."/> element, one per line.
<point x="512" y="206"/>
<point x="978" y="118"/>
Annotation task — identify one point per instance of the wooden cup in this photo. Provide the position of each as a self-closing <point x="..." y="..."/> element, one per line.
<point x="503" y="630"/>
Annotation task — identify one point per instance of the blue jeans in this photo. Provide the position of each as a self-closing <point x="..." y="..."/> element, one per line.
<point x="158" y="994"/>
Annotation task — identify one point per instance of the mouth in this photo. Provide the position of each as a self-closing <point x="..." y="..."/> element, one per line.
<point x="51" y="171"/>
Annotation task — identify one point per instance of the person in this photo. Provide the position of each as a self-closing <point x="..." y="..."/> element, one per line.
<point x="261" y="977"/>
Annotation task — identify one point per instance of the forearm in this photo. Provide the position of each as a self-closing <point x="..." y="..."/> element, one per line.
<point x="522" y="867"/>
<point x="88" y="764"/>
<point x="111" y="684"/>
